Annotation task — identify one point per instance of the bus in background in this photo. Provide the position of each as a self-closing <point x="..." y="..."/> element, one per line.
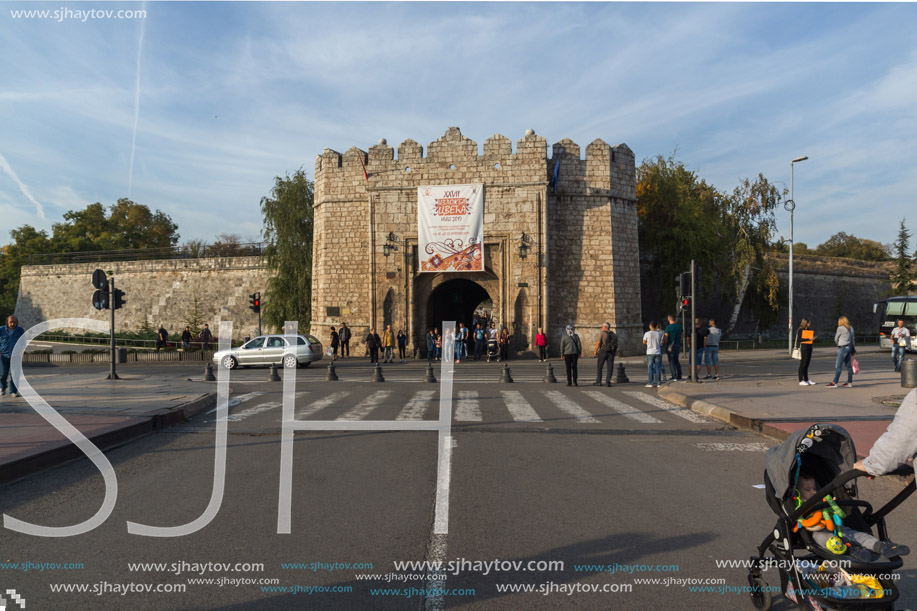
<point x="890" y="311"/>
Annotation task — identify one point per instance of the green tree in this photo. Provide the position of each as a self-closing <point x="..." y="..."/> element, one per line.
<point x="902" y="278"/>
<point x="674" y="209"/>
<point x="746" y="226"/>
<point x="287" y="231"/>
<point x="26" y="241"/>
<point x="844" y="245"/>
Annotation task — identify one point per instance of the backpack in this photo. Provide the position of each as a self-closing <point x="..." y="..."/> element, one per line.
<point x="609" y="341"/>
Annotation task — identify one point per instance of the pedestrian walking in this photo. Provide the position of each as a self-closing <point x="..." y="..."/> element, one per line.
<point x="431" y="345"/>
<point x="605" y="350"/>
<point x="504" y="344"/>
<point x="162" y="338"/>
<point x="698" y="341"/>
<point x="846" y="348"/>
<point x="345" y="340"/>
<point x="402" y="346"/>
<point x="653" y="340"/>
<point x="900" y="338"/>
<point x="388" y="344"/>
<point x="9" y="335"/>
<point x="804" y="339"/>
<point x="457" y="346"/>
<point x="673" y="332"/>
<point x="335" y="341"/>
<point x="206" y="337"/>
<point x="373" y="343"/>
<point x="712" y="350"/>
<point x="438" y="344"/>
<point x="570" y="350"/>
<point x="479" y="338"/>
<point x="186" y="338"/>
<point x="541" y="342"/>
<point x="462" y="340"/>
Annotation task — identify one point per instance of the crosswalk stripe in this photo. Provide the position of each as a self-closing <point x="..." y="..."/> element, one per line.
<point x="622" y="408"/>
<point x="467" y="408"/>
<point x="518" y="407"/>
<point x="687" y="414"/>
<point x="571" y="407"/>
<point x="362" y="409"/>
<point x="319" y="404"/>
<point x="234" y="401"/>
<point x="417" y="406"/>
<point x="245" y="413"/>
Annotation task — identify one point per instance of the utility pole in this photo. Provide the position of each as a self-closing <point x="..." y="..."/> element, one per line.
<point x="693" y="318"/>
<point x="112" y="374"/>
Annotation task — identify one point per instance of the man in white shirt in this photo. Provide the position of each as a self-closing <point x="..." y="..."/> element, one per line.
<point x="901" y="337"/>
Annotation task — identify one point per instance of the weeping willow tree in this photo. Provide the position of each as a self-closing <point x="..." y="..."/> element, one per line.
<point x="287" y="232"/>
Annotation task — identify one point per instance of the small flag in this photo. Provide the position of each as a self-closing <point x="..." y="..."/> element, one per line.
<point x="556" y="174"/>
<point x="364" y="167"/>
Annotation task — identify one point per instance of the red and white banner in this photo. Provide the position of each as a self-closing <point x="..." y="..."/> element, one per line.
<point x="450" y="228"/>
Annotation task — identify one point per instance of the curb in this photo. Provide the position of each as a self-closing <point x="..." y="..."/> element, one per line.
<point x="61" y="455"/>
<point x="720" y="413"/>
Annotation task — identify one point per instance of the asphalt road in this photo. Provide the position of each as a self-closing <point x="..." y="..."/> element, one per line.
<point x="566" y="487"/>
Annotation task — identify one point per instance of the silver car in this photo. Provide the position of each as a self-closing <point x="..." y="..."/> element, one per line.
<point x="272" y="349"/>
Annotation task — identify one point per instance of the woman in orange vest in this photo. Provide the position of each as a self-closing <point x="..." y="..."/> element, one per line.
<point x="804" y="338"/>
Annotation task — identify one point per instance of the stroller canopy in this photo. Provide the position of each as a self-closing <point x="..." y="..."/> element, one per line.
<point x="826" y="441"/>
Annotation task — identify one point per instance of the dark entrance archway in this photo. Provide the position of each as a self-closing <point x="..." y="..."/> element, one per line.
<point x="455" y="300"/>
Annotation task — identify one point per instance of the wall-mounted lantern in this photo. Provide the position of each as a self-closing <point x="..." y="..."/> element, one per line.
<point x="391" y="243"/>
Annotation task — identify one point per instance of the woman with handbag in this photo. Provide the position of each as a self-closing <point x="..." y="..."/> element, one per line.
<point x="803" y="351"/>
<point x="843" y="337"/>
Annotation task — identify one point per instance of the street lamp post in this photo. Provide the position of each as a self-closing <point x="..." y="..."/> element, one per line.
<point x="791" y="206"/>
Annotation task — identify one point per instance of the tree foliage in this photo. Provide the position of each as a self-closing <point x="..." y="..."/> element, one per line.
<point x="727" y="234"/>
<point x="287" y="231"/>
<point x="126" y="225"/>
<point x="902" y="278"/>
<point x="844" y="245"/>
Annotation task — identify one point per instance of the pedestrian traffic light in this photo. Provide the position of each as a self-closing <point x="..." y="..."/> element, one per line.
<point x="683" y="304"/>
<point x="118" y="299"/>
<point x="100" y="299"/>
<point x="255" y="302"/>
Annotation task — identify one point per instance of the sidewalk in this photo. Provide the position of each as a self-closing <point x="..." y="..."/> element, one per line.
<point x="109" y="414"/>
<point x="771" y="402"/>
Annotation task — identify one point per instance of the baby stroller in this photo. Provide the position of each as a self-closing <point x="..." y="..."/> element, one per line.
<point x="493" y="350"/>
<point x="808" y="573"/>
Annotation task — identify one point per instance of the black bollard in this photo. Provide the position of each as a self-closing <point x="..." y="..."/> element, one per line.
<point x="506" y="378"/>
<point x="620" y="376"/>
<point x="429" y="378"/>
<point x="377" y="374"/>
<point x="208" y="373"/>
<point x="273" y="377"/>
<point x="332" y="376"/>
<point x="549" y="375"/>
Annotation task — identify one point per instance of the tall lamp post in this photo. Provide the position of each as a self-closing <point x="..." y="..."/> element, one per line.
<point x="790" y="206"/>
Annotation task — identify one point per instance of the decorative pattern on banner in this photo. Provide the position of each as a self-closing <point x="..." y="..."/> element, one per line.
<point x="450" y="223"/>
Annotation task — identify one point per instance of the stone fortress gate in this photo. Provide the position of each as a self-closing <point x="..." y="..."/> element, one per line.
<point x="559" y="240"/>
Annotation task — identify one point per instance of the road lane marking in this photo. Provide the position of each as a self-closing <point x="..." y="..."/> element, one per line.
<point x="320" y="404"/>
<point x="731" y="447"/>
<point x="622" y="408"/>
<point x="364" y="407"/>
<point x="262" y="407"/>
<point x="467" y="408"/>
<point x="234" y="401"/>
<point x="518" y="407"/>
<point x="687" y="414"/>
<point x="417" y="406"/>
<point x="570" y="407"/>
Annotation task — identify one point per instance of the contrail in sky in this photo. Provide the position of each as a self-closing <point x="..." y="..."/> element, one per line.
<point x="5" y="166"/>
<point x="130" y="176"/>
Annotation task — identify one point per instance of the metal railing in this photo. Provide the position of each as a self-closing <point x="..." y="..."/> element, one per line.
<point x="204" y="251"/>
<point x="94" y="340"/>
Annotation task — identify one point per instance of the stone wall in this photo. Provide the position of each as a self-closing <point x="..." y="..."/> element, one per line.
<point x="582" y="242"/>
<point x="169" y="292"/>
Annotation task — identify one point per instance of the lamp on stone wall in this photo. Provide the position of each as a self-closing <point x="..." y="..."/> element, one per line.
<point x="390" y="244"/>
<point x="523" y="247"/>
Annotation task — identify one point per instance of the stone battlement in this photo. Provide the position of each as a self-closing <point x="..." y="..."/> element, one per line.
<point x="605" y="171"/>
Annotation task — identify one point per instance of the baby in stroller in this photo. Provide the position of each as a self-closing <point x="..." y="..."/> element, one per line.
<point x="860" y="546"/>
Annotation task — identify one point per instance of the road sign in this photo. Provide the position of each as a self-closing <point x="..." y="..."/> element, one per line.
<point x="99" y="280"/>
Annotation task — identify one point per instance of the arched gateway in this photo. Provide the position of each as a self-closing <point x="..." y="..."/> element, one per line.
<point x="545" y="242"/>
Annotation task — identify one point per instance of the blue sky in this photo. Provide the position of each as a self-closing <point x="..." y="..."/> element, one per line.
<point x="194" y="109"/>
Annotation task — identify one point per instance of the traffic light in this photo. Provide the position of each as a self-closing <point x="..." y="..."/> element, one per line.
<point x="683" y="304"/>
<point x="118" y="299"/>
<point x="255" y="302"/>
<point x="100" y="299"/>
<point x="684" y="284"/>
